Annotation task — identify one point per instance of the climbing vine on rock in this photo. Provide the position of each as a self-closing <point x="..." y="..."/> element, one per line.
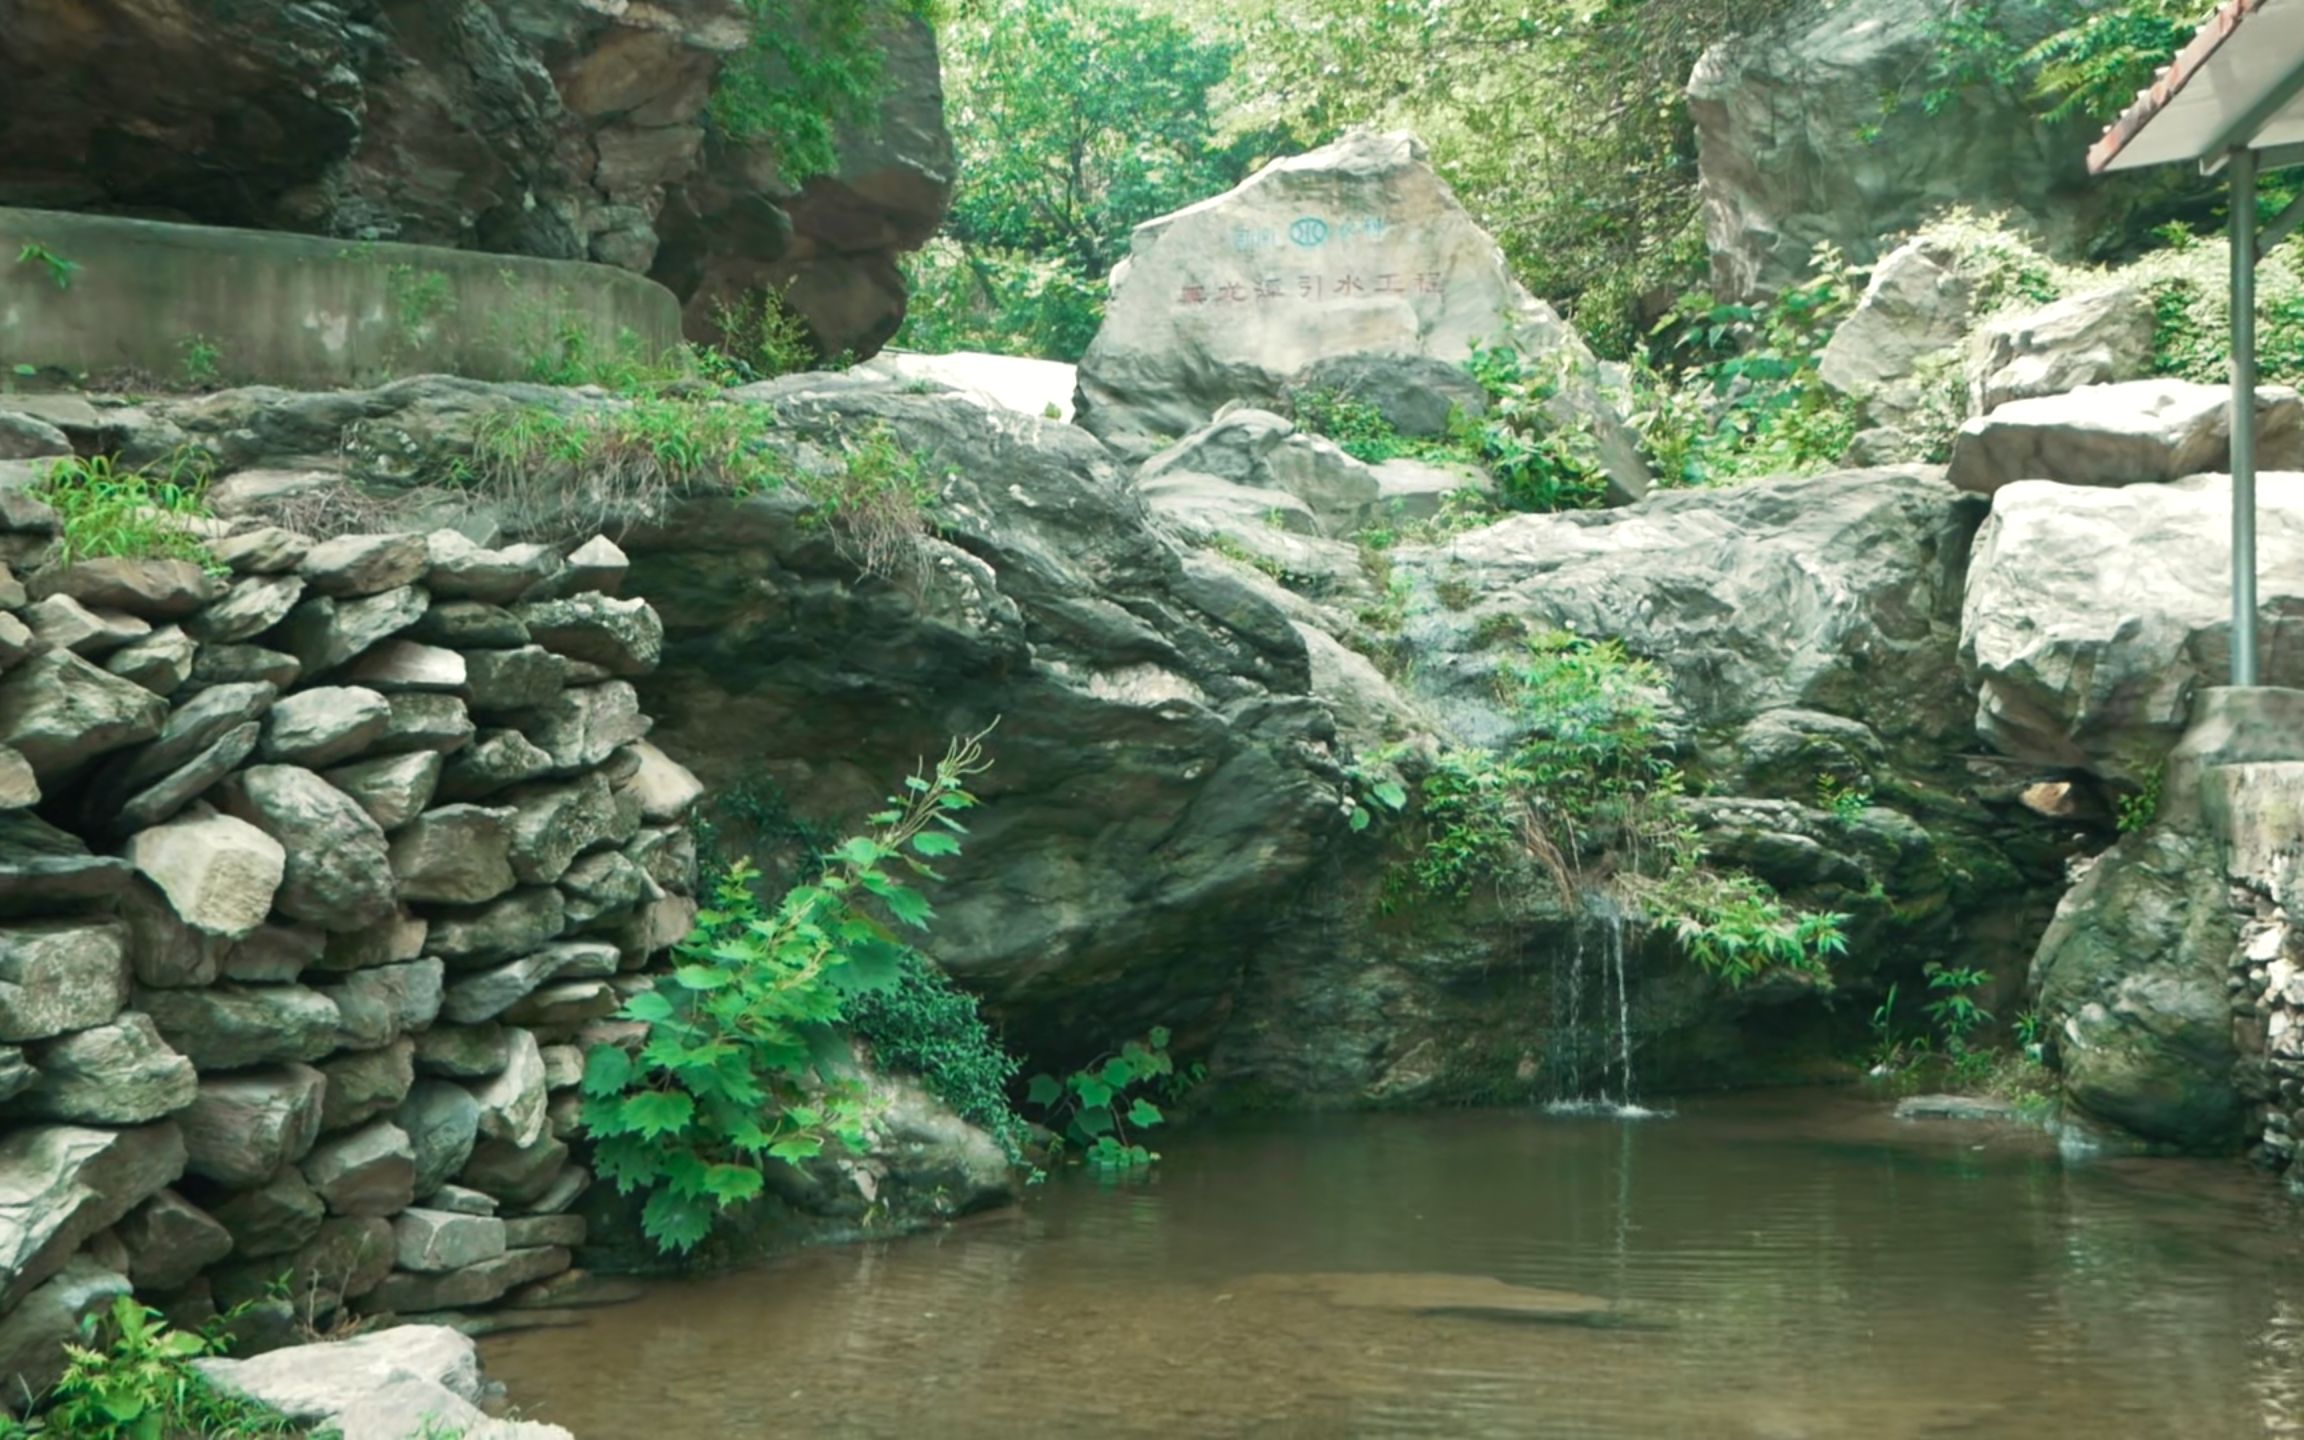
<point x="734" y="1073"/>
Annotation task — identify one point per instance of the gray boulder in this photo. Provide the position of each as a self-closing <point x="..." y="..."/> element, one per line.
<point x="456" y="855"/>
<point x="354" y="565"/>
<point x="121" y="1073"/>
<point x="323" y="633"/>
<point x="377" y="1006"/>
<point x="367" y="1083"/>
<point x="33" y="1336"/>
<point x="170" y="1241"/>
<point x="1915" y="306"/>
<point x="325" y="725"/>
<point x="59" y="976"/>
<point x="1262" y="452"/>
<point x="2126" y="434"/>
<point x="243" y="1129"/>
<point x="402" y="664"/>
<point x="2131" y="976"/>
<point x="219" y="874"/>
<point x="276" y="1217"/>
<point x="507" y="681"/>
<point x="60" y="712"/>
<point x="248" y="609"/>
<point x="2101" y="337"/>
<point x="1748" y="599"/>
<point x="585" y="724"/>
<point x="368" y="1171"/>
<point x="62" y="1184"/>
<point x="224" y="1027"/>
<point x="484" y="934"/>
<point x="1352" y="248"/>
<point x="2093" y="616"/>
<point x="1416" y="395"/>
<point x="338" y="873"/>
<point x="442" y="1122"/>
<point x="624" y="637"/>
<point x="393" y="789"/>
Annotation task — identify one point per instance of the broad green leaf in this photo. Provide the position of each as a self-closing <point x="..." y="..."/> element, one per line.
<point x="1092" y="1090"/>
<point x="607" y="1070"/>
<point x="1358" y="821"/>
<point x="1120" y="1073"/>
<point x="1092" y="1123"/>
<point x="860" y="851"/>
<point x="1391" y="794"/>
<point x="675" y="1223"/>
<point x="732" y="1184"/>
<point x="908" y="906"/>
<point x="703" y="977"/>
<point x="795" y="1148"/>
<point x="1159" y="1037"/>
<point x="1044" y="1091"/>
<point x="648" y="1005"/>
<point x="1144" y="1112"/>
<point x="658" y="1112"/>
<point x="934" y="843"/>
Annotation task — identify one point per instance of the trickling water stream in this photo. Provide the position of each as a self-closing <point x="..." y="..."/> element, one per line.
<point x="1581" y="1057"/>
<point x="1794" y="1266"/>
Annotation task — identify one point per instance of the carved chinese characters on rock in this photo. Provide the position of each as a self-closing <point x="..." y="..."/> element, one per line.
<point x="1316" y="259"/>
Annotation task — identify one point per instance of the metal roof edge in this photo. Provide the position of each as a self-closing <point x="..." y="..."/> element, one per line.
<point x="2213" y="32"/>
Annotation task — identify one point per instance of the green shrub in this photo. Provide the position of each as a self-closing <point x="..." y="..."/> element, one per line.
<point x="736" y="1071"/>
<point x="1589" y="795"/>
<point x="1000" y="301"/>
<point x="924" y="1023"/>
<point x="132" y="1378"/>
<point x="1094" y="1109"/>
<point x="147" y="513"/>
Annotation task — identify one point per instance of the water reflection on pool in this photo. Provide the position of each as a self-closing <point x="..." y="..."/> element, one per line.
<point x="1785" y="1266"/>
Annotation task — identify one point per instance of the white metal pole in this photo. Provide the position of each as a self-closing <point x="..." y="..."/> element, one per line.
<point x="2243" y="199"/>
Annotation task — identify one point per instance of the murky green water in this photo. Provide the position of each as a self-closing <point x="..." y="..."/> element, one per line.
<point x="1784" y="1266"/>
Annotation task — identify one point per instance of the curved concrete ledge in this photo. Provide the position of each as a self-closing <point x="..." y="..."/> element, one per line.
<point x="189" y="303"/>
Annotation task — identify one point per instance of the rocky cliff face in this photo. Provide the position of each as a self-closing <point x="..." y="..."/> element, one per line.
<point x="1821" y="128"/>
<point x="569" y="131"/>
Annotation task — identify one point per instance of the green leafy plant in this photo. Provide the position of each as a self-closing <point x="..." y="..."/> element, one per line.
<point x="804" y="72"/>
<point x="1099" y="1107"/>
<point x="203" y="359"/>
<point x="1371" y="790"/>
<point x="60" y="270"/>
<point x="1538" y="462"/>
<point x="2032" y="1036"/>
<point x="1589" y="795"/>
<point x="1846" y="802"/>
<point x="924" y="1023"/>
<point x="576" y="471"/>
<point x="1745" y="399"/>
<point x="763" y="337"/>
<point x="132" y="1378"/>
<point x="2138" y="811"/>
<point x="735" y="1070"/>
<point x="103" y="510"/>
<point x="1955" y="1009"/>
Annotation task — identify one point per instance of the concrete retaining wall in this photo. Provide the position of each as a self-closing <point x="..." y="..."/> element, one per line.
<point x="201" y="304"/>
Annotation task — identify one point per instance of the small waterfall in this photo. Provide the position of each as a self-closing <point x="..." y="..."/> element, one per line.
<point x="1592" y="1070"/>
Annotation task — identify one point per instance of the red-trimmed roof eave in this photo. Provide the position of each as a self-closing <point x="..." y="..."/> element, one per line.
<point x="2171" y="81"/>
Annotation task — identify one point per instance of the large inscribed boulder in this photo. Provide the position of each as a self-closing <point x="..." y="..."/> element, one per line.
<point x="1353" y="248"/>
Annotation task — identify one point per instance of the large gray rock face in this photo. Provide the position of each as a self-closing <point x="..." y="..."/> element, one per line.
<point x="1786" y="161"/>
<point x="2131" y="975"/>
<point x="1834" y="593"/>
<point x="569" y="132"/>
<point x="1048" y="602"/>
<point x="1915" y="306"/>
<point x="2126" y="434"/>
<point x="1355" y="247"/>
<point x="2100" y="337"/>
<point x="2093" y="616"/>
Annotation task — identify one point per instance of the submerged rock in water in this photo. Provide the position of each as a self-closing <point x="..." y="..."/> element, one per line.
<point x="1473" y="1297"/>
<point x="1953" y="1107"/>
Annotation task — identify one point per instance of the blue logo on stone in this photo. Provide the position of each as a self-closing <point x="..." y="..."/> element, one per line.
<point x="1309" y="232"/>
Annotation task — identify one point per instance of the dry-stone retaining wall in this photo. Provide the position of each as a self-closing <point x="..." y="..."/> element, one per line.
<point x="313" y="877"/>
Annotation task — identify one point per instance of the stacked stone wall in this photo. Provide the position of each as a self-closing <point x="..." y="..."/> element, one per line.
<point x="320" y="863"/>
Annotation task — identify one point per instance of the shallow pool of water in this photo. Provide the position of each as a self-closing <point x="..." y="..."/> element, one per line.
<point x="1783" y="1266"/>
